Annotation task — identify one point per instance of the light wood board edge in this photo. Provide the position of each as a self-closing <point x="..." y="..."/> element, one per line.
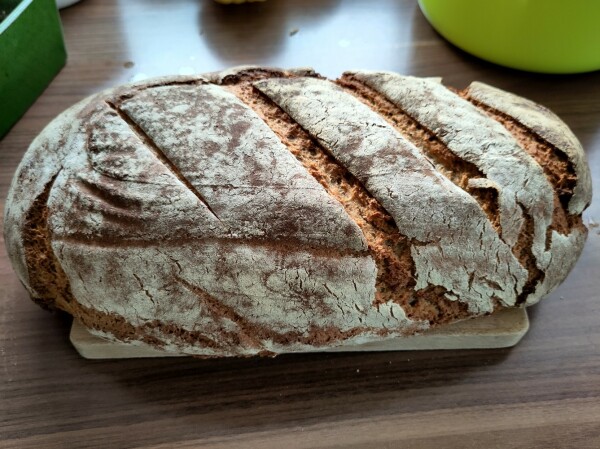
<point x="500" y="330"/>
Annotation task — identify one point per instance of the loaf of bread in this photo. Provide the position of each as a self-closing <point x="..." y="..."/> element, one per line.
<point x="262" y="211"/>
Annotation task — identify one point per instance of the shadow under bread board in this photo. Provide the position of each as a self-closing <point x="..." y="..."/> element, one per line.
<point x="500" y="330"/>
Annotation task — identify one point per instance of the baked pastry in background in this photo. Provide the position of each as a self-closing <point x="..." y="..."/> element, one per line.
<point x="261" y="211"/>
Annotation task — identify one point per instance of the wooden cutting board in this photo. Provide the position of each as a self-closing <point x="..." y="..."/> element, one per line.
<point x="500" y="330"/>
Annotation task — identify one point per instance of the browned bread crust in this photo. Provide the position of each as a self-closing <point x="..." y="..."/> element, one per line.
<point x="260" y="211"/>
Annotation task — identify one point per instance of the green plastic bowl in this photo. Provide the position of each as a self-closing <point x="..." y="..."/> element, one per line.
<point x="32" y="52"/>
<point x="549" y="36"/>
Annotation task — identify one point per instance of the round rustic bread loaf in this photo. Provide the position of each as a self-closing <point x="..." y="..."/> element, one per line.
<point x="259" y="211"/>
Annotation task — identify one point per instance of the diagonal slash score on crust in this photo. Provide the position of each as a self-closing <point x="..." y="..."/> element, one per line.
<point x="161" y="156"/>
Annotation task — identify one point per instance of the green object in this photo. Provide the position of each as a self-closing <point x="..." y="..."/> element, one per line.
<point x="550" y="36"/>
<point x="32" y="52"/>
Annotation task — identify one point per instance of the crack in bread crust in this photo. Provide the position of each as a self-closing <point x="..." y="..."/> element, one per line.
<point x="556" y="165"/>
<point x="45" y="273"/>
<point x="457" y="170"/>
<point x="542" y="125"/>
